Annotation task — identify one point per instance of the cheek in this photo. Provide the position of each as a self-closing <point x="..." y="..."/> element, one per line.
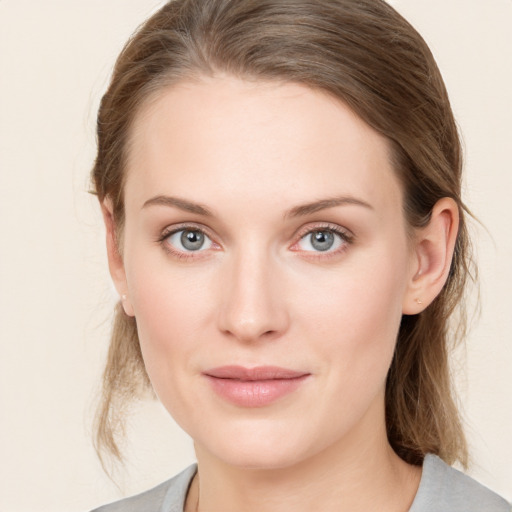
<point x="169" y="333"/>
<point x="171" y="308"/>
<point x="169" y="313"/>
<point x="165" y="294"/>
<point x="355" y="316"/>
<point x="365" y="292"/>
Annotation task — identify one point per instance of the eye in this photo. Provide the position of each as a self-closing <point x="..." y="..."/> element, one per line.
<point x="189" y="240"/>
<point x="322" y="240"/>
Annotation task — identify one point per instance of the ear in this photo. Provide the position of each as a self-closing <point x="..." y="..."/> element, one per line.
<point x="432" y="256"/>
<point x="115" y="259"/>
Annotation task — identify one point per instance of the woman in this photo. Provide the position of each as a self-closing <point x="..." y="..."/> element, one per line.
<point x="280" y="182"/>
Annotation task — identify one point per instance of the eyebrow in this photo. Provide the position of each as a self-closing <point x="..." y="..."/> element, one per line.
<point x="176" y="202"/>
<point x="322" y="204"/>
<point x="297" y="211"/>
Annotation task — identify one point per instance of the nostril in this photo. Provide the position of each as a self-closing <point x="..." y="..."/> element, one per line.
<point x="252" y="332"/>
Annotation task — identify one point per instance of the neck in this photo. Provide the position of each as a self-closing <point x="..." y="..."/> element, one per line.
<point x="360" y="473"/>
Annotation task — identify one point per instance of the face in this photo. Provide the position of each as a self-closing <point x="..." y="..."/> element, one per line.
<point x="266" y="260"/>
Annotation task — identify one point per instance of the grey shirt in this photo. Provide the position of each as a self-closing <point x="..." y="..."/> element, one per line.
<point x="442" y="489"/>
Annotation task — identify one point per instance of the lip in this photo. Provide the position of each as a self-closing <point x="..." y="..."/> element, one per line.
<point x="254" y="387"/>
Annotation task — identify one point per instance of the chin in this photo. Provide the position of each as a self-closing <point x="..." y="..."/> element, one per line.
<point x="259" y="457"/>
<point x="264" y="445"/>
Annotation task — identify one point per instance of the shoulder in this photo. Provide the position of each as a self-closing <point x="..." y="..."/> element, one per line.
<point x="168" y="496"/>
<point x="443" y="488"/>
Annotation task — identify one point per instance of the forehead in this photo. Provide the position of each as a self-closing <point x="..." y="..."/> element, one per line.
<point x="255" y="140"/>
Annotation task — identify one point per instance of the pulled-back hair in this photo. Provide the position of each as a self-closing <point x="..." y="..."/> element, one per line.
<point x="365" y="54"/>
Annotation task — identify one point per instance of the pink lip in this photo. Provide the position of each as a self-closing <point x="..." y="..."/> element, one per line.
<point x="254" y="387"/>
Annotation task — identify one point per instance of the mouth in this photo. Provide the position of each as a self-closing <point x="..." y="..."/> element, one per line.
<point x="254" y="387"/>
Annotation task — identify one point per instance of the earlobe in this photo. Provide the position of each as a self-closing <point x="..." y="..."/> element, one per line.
<point x="115" y="260"/>
<point x="432" y="256"/>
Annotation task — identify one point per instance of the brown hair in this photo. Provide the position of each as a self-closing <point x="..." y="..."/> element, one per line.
<point x="366" y="55"/>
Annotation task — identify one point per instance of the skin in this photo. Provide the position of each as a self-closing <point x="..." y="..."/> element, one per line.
<point x="259" y="293"/>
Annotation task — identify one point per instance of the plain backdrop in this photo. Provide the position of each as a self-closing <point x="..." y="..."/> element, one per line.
<point x="55" y="292"/>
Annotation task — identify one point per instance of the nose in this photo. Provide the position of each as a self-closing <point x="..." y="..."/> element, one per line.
<point x="252" y="298"/>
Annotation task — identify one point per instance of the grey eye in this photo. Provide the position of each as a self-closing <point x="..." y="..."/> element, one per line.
<point x="322" y="240"/>
<point x="189" y="240"/>
<point x="192" y="240"/>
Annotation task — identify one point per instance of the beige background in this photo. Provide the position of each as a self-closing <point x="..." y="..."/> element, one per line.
<point x="55" y="294"/>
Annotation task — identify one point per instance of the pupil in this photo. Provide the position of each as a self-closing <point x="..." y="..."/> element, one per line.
<point x="192" y="240"/>
<point x="322" y="240"/>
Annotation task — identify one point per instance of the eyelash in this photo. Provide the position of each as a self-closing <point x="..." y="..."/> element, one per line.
<point x="346" y="237"/>
<point x="177" y="229"/>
